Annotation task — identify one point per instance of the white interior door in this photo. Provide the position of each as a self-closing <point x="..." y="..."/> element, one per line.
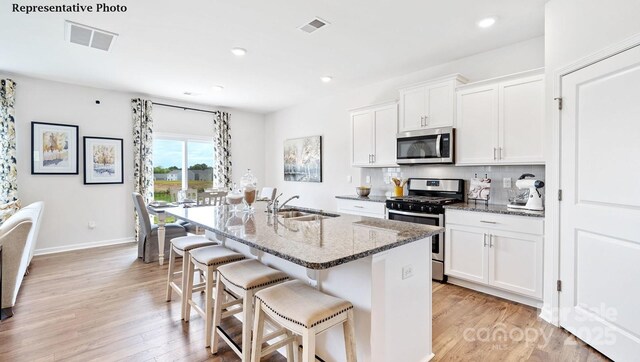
<point x="600" y="210"/>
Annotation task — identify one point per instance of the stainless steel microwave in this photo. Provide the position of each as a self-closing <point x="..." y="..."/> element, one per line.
<point x="425" y="146"/>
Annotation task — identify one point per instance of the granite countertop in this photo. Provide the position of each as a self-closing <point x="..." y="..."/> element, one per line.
<point x="494" y="209"/>
<point x="316" y="244"/>
<point x="371" y="198"/>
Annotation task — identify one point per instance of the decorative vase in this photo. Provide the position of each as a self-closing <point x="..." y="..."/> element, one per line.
<point x="398" y="191"/>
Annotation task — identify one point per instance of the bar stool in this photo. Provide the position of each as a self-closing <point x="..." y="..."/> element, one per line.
<point x="243" y="278"/>
<point x="304" y="311"/>
<point x="181" y="247"/>
<point x="206" y="259"/>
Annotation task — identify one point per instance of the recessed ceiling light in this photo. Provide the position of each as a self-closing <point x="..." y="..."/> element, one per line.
<point x="326" y="78"/>
<point x="217" y="88"/>
<point x="238" y="52"/>
<point x="486" y="22"/>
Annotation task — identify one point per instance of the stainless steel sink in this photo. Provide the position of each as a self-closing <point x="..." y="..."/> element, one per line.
<point x="291" y="214"/>
<point x="310" y="217"/>
<point x="297" y="215"/>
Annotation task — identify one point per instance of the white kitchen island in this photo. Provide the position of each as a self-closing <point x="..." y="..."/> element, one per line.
<point x="382" y="266"/>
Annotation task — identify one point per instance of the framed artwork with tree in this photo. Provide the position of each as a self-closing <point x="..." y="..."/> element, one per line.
<point x="103" y="162"/>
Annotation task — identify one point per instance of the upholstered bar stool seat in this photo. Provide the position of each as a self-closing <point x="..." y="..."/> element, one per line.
<point x="304" y="311"/>
<point x="206" y="259"/>
<point x="181" y="247"/>
<point x="243" y="278"/>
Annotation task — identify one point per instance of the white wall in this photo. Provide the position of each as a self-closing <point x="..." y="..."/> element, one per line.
<point x="574" y="29"/>
<point x="329" y="117"/>
<point x="69" y="204"/>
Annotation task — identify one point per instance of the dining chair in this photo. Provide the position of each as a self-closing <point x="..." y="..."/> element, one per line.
<point x="211" y="198"/>
<point x="148" y="232"/>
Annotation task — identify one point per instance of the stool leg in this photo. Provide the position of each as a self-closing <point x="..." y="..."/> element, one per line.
<point x="258" y="332"/>
<point x="290" y="349"/>
<point x="247" y="322"/>
<point x="297" y="342"/>
<point x="208" y="306"/>
<point x="172" y="261"/>
<point x="186" y="262"/>
<point x="308" y="345"/>
<point x="187" y="290"/>
<point x="349" y="337"/>
<point x="217" y="314"/>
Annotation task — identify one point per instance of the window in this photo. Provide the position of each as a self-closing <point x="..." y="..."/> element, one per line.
<point x="181" y="163"/>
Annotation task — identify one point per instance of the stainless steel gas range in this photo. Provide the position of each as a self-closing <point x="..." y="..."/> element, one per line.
<point x="424" y="204"/>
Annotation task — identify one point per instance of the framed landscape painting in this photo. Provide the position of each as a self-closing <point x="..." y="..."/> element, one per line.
<point x="103" y="161"/>
<point x="54" y="149"/>
<point x="303" y="159"/>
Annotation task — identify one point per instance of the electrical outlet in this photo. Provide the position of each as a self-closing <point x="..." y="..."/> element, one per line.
<point x="506" y="182"/>
<point x="368" y="180"/>
<point x="349" y="179"/>
<point x="407" y="272"/>
<point x="92" y="225"/>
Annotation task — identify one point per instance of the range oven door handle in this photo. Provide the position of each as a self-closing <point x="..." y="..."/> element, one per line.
<point x="417" y="214"/>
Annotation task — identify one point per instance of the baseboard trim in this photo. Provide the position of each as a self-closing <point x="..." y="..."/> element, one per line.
<point x="72" y="247"/>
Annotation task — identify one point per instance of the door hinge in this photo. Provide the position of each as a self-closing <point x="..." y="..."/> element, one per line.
<point x="559" y="195"/>
<point x="559" y="99"/>
<point x="559" y="285"/>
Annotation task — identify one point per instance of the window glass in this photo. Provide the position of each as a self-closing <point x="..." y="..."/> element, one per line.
<point x="168" y="157"/>
<point x="200" y="165"/>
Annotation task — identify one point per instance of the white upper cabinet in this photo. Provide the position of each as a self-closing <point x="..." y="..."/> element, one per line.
<point x="477" y="124"/>
<point x="501" y="121"/>
<point x="429" y="105"/>
<point x="373" y="135"/>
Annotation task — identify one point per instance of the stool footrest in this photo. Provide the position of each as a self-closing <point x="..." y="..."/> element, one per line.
<point x="275" y="346"/>
<point x="233" y="345"/>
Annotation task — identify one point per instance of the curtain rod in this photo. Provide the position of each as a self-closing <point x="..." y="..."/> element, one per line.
<point x="184" y="108"/>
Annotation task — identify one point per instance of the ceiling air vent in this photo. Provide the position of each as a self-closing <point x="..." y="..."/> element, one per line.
<point x="313" y="25"/>
<point x="89" y="36"/>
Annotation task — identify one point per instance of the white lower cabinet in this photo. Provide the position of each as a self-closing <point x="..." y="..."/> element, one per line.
<point x="487" y="252"/>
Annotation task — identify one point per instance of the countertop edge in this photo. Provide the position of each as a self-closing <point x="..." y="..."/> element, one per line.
<point x="315" y="266"/>
<point x="497" y="209"/>
<point x="373" y="198"/>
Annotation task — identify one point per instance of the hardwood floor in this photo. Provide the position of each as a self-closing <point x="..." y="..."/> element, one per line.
<point x="104" y="304"/>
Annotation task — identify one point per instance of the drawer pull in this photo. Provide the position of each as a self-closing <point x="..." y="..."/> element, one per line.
<point x="488" y="222"/>
<point x="358" y="207"/>
<point x="484" y="240"/>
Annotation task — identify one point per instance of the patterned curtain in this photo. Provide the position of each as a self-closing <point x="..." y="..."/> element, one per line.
<point x="8" y="170"/>
<point x="142" y="150"/>
<point x="222" y="150"/>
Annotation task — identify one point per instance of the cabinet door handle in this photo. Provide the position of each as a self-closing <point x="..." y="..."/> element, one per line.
<point x="484" y="240"/>
<point x="421" y="121"/>
<point x="488" y="222"/>
<point x="499" y="153"/>
<point x="426" y="121"/>
<point x="494" y="153"/>
<point x="491" y="240"/>
<point x="373" y="157"/>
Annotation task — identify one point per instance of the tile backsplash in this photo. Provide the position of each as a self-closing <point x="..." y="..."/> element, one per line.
<point x="381" y="177"/>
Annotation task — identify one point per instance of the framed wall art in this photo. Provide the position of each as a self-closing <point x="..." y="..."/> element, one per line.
<point x="303" y="159"/>
<point x="103" y="162"/>
<point x="54" y="149"/>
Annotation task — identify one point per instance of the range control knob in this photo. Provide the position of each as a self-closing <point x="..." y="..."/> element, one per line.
<point x="410" y="207"/>
<point x="423" y="208"/>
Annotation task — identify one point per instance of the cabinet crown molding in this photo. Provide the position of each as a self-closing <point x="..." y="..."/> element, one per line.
<point x="455" y="76"/>
<point x="503" y="78"/>
<point x="376" y="105"/>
